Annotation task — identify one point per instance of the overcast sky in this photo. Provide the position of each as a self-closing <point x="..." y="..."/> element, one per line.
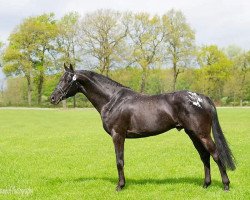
<point x="221" y="22"/>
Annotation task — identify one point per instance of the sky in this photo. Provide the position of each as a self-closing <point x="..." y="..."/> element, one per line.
<point x="221" y="22"/>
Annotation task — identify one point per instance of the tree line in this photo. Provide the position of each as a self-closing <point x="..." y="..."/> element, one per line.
<point x="159" y="50"/>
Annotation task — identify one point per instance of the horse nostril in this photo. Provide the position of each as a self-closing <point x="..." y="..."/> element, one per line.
<point x="52" y="98"/>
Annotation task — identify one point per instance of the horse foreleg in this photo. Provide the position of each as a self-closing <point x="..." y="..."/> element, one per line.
<point x="211" y="147"/>
<point x="204" y="155"/>
<point x="118" y="141"/>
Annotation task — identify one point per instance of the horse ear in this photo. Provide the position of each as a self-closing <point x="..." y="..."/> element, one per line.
<point x="71" y="67"/>
<point x="65" y="67"/>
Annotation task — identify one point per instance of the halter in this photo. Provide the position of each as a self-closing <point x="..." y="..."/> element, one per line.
<point x="64" y="93"/>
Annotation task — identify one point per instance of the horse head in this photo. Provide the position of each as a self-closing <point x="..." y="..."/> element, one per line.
<point x="67" y="86"/>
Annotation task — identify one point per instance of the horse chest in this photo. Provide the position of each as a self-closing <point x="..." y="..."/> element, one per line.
<point x="112" y="120"/>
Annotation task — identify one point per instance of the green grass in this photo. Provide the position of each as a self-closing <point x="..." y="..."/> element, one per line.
<point x="65" y="154"/>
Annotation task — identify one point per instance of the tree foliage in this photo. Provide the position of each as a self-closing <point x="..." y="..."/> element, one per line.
<point x="29" y="50"/>
<point x="214" y="71"/>
<point x="67" y="39"/>
<point x="237" y="85"/>
<point x="179" y="42"/>
<point x="102" y="38"/>
<point x="17" y="61"/>
<point x="149" y="53"/>
<point x="146" y="34"/>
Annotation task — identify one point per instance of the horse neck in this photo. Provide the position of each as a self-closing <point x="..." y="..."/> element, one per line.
<point x="98" y="93"/>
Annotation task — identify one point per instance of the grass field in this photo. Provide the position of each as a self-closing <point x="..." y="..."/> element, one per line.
<point x="65" y="154"/>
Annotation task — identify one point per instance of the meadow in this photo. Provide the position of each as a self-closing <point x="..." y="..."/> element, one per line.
<point x="66" y="154"/>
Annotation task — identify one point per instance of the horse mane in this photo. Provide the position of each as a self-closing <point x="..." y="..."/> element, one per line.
<point x="102" y="78"/>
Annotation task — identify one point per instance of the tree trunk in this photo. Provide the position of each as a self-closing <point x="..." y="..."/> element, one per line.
<point x="29" y="88"/>
<point x="107" y="65"/>
<point x="175" y="75"/>
<point x="40" y="87"/>
<point x="234" y="99"/>
<point x="143" y="80"/>
<point x="64" y="103"/>
<point x="29" y="91"/>
<point x="102" y="67"/>
<point x="74" y="101"/>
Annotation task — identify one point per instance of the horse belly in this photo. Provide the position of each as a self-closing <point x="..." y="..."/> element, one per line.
<point x="148" y="123"/>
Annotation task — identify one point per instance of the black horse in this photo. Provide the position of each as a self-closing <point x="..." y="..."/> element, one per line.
<point x="128" y="114"/>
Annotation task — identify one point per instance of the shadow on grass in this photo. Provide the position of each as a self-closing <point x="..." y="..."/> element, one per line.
<point x="143" y="181"/>
<point x="165" y="181"/>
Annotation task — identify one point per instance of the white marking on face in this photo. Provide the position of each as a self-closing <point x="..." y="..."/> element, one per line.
<point x="195" y="99"/>
<point x="74" y="77"/>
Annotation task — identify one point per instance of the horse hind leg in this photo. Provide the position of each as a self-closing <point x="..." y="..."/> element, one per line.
<point x="204" y="155"/>
<point x="210" y="146"/>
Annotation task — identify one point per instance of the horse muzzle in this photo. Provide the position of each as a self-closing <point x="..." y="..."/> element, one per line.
<point x="52" y="99"/>
<point x="55" y="98"/>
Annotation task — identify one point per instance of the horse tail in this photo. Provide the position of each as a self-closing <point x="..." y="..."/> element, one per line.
<point x="225" y="154"/>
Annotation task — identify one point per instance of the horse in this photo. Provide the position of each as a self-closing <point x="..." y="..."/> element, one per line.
<point x="129" y="114"/>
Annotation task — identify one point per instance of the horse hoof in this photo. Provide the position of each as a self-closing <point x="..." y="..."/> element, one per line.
<point x="205" y="185"/>
<point x="118" y="188"/>
<point x="226" y="188"/>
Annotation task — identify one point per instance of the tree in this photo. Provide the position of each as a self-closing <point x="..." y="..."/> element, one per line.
<point x="1" y="63"/>
<point x="233" y="51"/>
<point x="43" y="31"/>
<point x="67" y="45"/>
<point x="30" y="45"/>
<point x="236" y="86"/>
<point x="1" y="46"/>
<point x="146" y="35"/>
<point x="16" y="61"/>
<point x="179" y="42"/>
<point x="102" y="36"/>
<point x="244" y="69"/>
<point x="214" y="71"/>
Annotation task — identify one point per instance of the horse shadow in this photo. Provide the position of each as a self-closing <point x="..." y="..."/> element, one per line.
<point x="153" y="181"/>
